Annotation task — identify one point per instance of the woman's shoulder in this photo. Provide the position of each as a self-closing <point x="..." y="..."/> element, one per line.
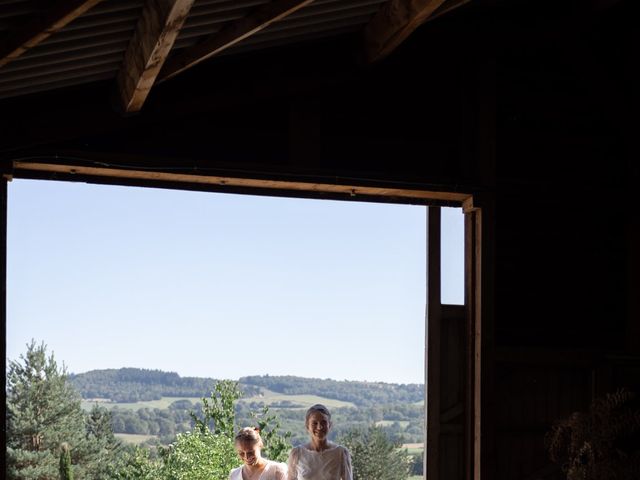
<point x="342" y="449"/>
<point x="276" y="470"/>
<point x="236" y="473"/>
<point x="281" y="466"/>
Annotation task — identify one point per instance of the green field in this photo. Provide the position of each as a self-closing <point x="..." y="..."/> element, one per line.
<point x="269" y="397"/>
<point x="386" y="423"/>
<point x="132" y="438"/>
<point x="163" y="403"/>
<point x="414" y="447"/>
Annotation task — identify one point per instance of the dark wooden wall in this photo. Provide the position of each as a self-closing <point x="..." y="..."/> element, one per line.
<point x="567" y="169"/>
<point x="530" y="105"/>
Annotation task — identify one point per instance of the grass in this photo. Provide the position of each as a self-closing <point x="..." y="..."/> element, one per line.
<point x="163" y="403"/>
<point x="269" y="397"/>
<point x="133" y="438"/>
<point x="386" y="423"/>
<point x="414" y="447"/>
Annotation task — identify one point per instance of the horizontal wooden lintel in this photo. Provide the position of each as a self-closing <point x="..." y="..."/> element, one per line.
<point x="227" y="181"/>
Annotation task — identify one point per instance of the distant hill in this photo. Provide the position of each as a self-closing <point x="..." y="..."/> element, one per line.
<point x="136" y="384"/>
<point x="362" y="394"/>
<point x="154" y="405"/>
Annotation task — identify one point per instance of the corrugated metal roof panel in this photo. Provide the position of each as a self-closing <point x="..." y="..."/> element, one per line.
<point x="92" y="47"/>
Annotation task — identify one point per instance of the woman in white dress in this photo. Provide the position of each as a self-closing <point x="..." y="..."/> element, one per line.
<point x="248" y="446"/>
<point x="319" y="459"/>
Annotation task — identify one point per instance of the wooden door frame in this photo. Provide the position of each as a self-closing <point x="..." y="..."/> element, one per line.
<point x="478" y="283"/>
<point x="477" y="388"/>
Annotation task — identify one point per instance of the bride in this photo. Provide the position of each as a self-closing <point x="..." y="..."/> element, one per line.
<point x="319" y="459"/>
<point x="249" y="445"/>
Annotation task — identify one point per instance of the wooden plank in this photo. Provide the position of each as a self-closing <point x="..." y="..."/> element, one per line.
<point x="3" y="289"/>
<point x="157" y="29"/>
<point x="396" y="20"/>
<point x="41" y="27"/>
<point x="230" y="35"/>
<point x="433" y="341"/>
<point x="352" y="191"/>
<point x="473" y="294"/>
<point x="446" y="7"/>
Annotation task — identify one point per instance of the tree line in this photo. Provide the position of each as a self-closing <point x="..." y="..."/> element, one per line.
<point x="136" y="384"/>
<point x="125" y="385"/>
<point x="403" y="423"/>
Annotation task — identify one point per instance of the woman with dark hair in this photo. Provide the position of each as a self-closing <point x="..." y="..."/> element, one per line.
<point x="319" y="459"/>
<point x="248" y="445"/>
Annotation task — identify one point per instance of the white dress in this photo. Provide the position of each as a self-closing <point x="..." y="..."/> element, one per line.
<point x="331" y="464"/>
<point x="273" y="471"/>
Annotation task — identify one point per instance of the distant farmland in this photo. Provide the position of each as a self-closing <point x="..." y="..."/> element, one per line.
<point x="163" y="403"/>
<point x="303" y="401"/>
<point x="268" y="398"/>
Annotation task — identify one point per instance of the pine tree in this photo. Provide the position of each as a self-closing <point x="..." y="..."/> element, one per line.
<point x="103" y="446"/>
<point x="43" y="411"/>
<point x="374" y="456"/>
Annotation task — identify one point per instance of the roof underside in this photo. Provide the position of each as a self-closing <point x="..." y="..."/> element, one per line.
<point x="92" y="47"/>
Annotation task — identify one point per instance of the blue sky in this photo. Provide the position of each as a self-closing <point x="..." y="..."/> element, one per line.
<point x="221" y="285"/>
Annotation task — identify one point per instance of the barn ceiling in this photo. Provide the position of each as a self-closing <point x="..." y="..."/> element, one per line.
<point x="49" y="45"/>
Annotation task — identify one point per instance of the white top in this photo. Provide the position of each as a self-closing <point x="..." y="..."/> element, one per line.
<point x="273" y="471"/>
<point x="331" y="464"/>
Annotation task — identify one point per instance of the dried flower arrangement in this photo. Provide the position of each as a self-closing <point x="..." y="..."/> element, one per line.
<point x="601" y="444"/>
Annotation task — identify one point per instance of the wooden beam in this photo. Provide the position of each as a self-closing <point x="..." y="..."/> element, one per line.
<point x="396" y="20"/>
<point x="41" y="27"/>
<point x="351" y="191"/>
<point x="446" y="7"/>
<point x="157" y="29"/>
<point x="231" y="34"/>
<point x="433" y="344"/>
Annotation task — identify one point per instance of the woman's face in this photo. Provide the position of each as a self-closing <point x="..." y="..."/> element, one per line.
<point x="249" y="452"/>
<point x="318" y="425"/>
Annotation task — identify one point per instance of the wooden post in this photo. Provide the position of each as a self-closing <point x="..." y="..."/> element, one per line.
<point x="432" y="344"/>
<point x="480" y="455"/>
<point x="3" y="299"/>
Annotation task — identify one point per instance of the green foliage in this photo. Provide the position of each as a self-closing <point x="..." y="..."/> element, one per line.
<point x="602" y="443"/>
<point x="361" y="393"/>
<point x="66" y="472"/>
<point x="374" y="456"/>
<point x="276" y="445"/>
<point x="137" y="384"/>
<point x="102" y="445"/>
<point x="417" y="464"/>
<point x="219" y="408"/>
<point x="43" y="412"/>
<point x="287" y="396"/>
<point x="200" y="456"/>
<point x="135" y="464"/>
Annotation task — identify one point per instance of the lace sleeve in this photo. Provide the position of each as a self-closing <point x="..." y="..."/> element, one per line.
<point x="292" y="473"/>
<point x="281" y="471"/>
<point x="347" y="473"/>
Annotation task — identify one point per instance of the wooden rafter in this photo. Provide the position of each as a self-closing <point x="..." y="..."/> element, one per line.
<point x="396" y="20"/>
<point x="446" y="7"/>
<point x="230" y="35"/>
<point x="43" y="26"/>
<point x="157" y="29"/>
